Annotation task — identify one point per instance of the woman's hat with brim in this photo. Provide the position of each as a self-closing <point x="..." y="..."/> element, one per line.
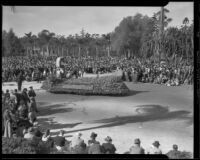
<point x="108" y="139"/>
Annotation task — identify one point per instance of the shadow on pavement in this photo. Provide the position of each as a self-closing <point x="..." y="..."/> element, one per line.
<point x="48" y="123"/>
<point x="53" y="109"/>
<point x="146" y="113"/>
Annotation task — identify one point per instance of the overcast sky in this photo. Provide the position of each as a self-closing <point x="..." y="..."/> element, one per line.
<point x="70" y="20"/>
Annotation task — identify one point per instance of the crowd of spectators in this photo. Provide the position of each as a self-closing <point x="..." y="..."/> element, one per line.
<point x="37" y="68"/>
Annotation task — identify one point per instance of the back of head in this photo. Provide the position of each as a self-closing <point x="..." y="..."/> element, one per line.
<point x="137" y="141"/>
<point x="175" y="147"/>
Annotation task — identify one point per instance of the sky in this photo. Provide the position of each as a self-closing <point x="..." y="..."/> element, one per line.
<point x="63" y="20"/>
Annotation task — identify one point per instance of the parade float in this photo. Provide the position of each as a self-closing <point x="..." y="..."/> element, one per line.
<point x="106" y="85"/>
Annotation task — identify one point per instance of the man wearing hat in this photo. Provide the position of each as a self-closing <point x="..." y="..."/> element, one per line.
<point x="136" y="149"/>
<point x="31" y="92"/>
<point x="155" y="148"/>
<point x="175" y="153"/>
<point x="93" y="139"/>
<point x="108" y="147"/>
<point x="94" y="148"/>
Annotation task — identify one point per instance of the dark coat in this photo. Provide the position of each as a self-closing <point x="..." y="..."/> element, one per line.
<point x="25" y="97"/>
<point x="108" y="148"/>
<point x="136" y="150"/>
<point x="31" y="93"/>
<point x="95" y="148"/>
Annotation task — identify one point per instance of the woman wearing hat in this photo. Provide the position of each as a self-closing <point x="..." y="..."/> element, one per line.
<point x="155" y="148"/>
<point x="108" y="147"/>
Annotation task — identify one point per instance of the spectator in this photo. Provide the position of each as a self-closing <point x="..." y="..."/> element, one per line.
<point x="25" y="97"/>
<point x="7" y="94"/>
<point x="155" y="148"/>
<point x="30" y="134"/>
<point x="108" y="147"/>
<point x="47" y="139"/>
<point x="94" y="148"/>
<point x="174" y="154"/>
<point x="31" y="92"/>
<point x="137" y="149"/>
<point x="60" y="143"/>
<point x="93" y="139"/>
<point x="77" y="140"/>
<point x="33" y="105"/>
<point x="32" y="117"/>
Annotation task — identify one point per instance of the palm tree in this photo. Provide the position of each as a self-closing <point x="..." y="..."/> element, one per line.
<point x="185" y="22"/>
<point x="29" y="41"/>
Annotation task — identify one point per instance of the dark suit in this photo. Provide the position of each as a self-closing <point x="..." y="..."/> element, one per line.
<point x="108" y="148"/>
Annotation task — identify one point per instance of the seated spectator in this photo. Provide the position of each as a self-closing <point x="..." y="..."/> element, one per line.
<point x="94" y="148"/>
<point x="46" y="135"/>
<point x="93" y="139"/>
<point x="60" y="144"/>
<point x="37" y="131"/>
<point x="136" y="149"/>
<point x="155" y="148"/>
<point x="80" y="149"/>
<point x="108" y="147"/>
<point x="30" y="135"/>
<point x="77" y="140"/>
<point x="47" y="139"/>
<point x="174" y="154"/>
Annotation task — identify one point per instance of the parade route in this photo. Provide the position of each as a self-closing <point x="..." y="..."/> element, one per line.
<point x="152" y="112"/>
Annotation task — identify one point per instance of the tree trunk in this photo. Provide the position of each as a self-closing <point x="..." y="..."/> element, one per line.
<point x="47" y="49"/>
<point x="62" y="51"/>
<point x="79" y="51"/>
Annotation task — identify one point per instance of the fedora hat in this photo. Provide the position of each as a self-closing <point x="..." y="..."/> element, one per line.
<point x="93" y="135"/>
